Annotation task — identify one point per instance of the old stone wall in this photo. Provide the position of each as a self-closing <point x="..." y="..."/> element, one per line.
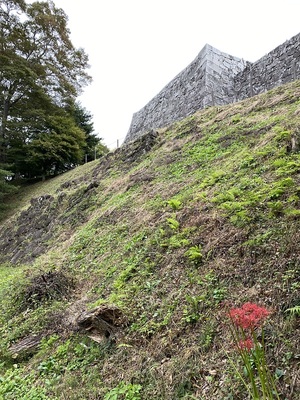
<point x="281" y="65"/>
<point x="203" y="83"/>
<point x="216" y="78"/>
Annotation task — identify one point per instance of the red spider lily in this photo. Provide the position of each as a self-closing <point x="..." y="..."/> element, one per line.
<point x="249" y="316"/>
<point x="244" y="321"/>
<point x="246" y="344"/>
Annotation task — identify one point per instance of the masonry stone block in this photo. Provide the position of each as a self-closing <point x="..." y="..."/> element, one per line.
<point x="216" y="78"/>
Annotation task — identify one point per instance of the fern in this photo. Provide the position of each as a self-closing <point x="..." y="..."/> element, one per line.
<point x="173" y="223"/>
<point x="194" y="253"/>
<point x="294" y="310"/>
<point x="174" y="204"/>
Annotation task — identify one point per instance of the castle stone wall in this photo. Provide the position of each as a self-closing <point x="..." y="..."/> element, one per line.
<point x="216" y="78"/>
<point x="203" y="83"/>
<point x="280" y="66"/>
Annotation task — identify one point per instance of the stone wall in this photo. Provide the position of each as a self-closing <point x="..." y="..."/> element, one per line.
<point x="281" y="65"/>
<point x="203" y="83"/>
<point x="216" y="78"/>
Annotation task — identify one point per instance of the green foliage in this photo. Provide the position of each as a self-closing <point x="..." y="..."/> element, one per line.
<point x="211" y="293"/>
<point x="230" y="195"/>
<point x="93" y="147"/>
<point x="55" y="361"/>
<point x="176" y="242"/>
<point x="173" y="223"/>
<point x="282" y="135"/>
<point x="124" y="391"/>
<point x="9" y="275"/>
<point x="100" y="149"/>
<point x="276" y="208"/>
<point x="173" y="237"/>
<point x="56" y="150"/>
<point x="292" y="213"/>
<point x="175" y="204"/>
<point x="6" y="189"/>
<point x="207" y="335"/>
<point x="293" y="310"/>
<point x="259" y="239"/>
<point x="194" y="253"/>
<point x="287" y="165"/>
<point x="14" y="384"/>
<point x="211" y="179"/>
<point x="41" y="72"/>
<point x="191" y="313"/>
<point x="280" y="187"/>
<point x="237" y="118"/>
<point x="125" y="275"/>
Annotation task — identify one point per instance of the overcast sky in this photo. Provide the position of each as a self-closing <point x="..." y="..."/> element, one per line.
<point x="136" y="47"/>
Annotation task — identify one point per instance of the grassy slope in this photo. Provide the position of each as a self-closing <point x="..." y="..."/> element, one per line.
<point x="210" y="214"/>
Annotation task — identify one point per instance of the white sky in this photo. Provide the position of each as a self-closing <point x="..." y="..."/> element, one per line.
<point x="136" y="47"/>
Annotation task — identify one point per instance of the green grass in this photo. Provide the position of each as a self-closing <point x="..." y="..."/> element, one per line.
<point x="203" y="219"/>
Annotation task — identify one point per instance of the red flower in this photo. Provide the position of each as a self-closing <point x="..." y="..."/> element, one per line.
<point x="249" y="316"/>
<point x="246" y="344"/>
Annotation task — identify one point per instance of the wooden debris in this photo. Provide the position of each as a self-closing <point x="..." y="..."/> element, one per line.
<point x="25" y="346"/>
<point x="103" y="321"/>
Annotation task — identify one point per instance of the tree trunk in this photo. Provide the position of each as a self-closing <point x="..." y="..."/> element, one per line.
<point x="3" y="138"/>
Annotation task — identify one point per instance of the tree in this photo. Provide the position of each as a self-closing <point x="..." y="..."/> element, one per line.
<point x="56" y="149"/>
<point x="27" y="120"/>
<point x="40" y="71"/>
<point x="83" y="120"/>
<point x="101" y="149"/>
<point x="5" y="188"/>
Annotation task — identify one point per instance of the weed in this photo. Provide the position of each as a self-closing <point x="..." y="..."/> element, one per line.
<point x="276" y="208"/>
<point x="207" y="336"/>
<point x="191" y="313"/>
<point x="175" y="204"/>
<point x="292" y="213"/>
<point x="124" y="276"/>
<point x="194" y="253"/>
<point x="286" y="166"/>
<point x="259" y="239"/>
<point x="15" y="384"/>
<point x="236" y="118"/>
<point x="176" y="242"/>
<point x="294" y="310"/>
<point x="126" y="391"/>
<point x="219" y="294"/>
<point x="173" y="223"/>
<point x="280" y="188"/>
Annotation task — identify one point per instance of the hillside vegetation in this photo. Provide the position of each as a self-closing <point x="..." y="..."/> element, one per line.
<point x="121" y="272"/>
